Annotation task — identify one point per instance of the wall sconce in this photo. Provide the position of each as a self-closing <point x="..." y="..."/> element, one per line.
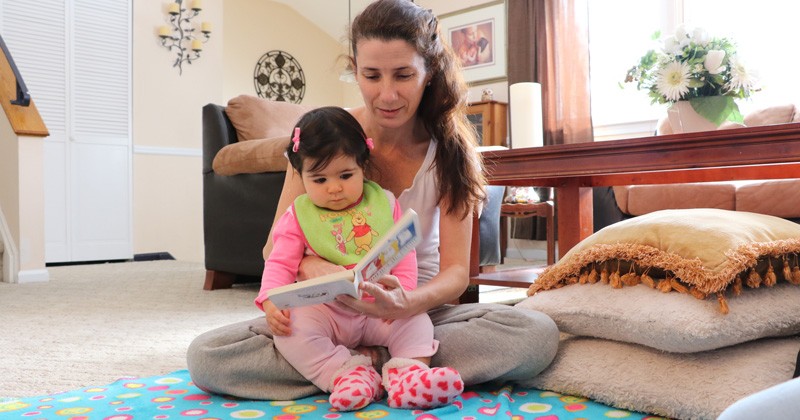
<point x="181" y="35"/>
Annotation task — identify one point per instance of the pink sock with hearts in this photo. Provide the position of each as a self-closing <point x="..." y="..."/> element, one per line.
<point x="412" y="384"/>
<point x="355" y="385"/>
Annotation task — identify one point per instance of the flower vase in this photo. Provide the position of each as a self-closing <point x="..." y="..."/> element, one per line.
<point x="684" y="119"/>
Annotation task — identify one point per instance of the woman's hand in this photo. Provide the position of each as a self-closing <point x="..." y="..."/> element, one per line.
<point x="313" y="266"/>
<point x="278" y="320"/>
<point x="391" y="301"/>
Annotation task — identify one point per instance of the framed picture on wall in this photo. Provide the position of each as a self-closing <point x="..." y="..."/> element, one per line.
<point x="478" y="36"/>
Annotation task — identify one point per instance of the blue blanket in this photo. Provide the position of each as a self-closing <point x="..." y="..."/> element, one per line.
<point x="174" y="396"/>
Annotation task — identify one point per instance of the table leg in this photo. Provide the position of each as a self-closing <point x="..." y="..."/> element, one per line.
<point x="574" y="213"/>
<point x="475" y="248"/>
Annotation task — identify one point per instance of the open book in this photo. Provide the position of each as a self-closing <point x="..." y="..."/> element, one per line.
<point x="385" y="254"/>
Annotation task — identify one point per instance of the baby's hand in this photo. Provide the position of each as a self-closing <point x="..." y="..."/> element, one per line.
<point x="278" y="320"/>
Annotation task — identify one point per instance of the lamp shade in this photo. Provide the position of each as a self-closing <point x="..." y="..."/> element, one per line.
<point x="525" y="103"/>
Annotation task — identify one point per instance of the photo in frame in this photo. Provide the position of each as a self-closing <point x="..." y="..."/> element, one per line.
<point x="478" y="37"/>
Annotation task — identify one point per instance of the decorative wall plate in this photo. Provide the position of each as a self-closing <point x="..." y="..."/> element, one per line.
<point x="279" y="77"/>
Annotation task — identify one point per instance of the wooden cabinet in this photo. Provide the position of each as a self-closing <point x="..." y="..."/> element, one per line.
<point x="490" y="119"/>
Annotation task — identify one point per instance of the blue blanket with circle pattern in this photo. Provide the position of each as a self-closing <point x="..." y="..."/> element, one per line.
<point x="174" y="396"/>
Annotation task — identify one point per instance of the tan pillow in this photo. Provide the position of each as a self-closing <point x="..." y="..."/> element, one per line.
<point x="670" y="322"/>
<point x="681" y="386"/>
<point x="250" y="157"/>
<point x="699" y="251"/>
<point x="257" y="118"/>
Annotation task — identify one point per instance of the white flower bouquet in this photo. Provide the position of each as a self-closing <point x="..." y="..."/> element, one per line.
<point x="691" y="66"/>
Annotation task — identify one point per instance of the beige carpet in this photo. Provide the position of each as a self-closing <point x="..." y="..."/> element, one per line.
<point x="92" y="324"/>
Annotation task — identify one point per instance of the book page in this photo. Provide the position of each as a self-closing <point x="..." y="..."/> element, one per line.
<point x="390" y="249"/>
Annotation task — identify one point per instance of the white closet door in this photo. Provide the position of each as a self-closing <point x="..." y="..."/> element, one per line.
<point x="99" y="140"/>
<point x="75" y="57"/>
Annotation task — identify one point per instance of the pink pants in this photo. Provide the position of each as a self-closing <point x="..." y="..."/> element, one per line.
<point x="322" y="336"/>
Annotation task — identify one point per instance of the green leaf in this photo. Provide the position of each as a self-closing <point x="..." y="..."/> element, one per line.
<point x="694" y="83"/>
<point x="656" y="35"/>
<point x="717" y="109"/>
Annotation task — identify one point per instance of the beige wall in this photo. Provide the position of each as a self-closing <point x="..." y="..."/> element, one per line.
<point x="9" y="174"/>
<point x="22" y="204"/>
<point x="167" y="132"/>
<point x="167" y="183"/>
<point x="254" y="27"/>
<point x="167" y="107"/>
<point x="168" y="204"/>
<point x="443" y="7"/>
<point x="31" y="204"/>
<point x="352" y="97"/>
<point x="9" y="178"/>
<point x="166" y="114"/>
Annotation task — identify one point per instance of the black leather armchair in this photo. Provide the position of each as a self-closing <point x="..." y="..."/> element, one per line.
<point x="238" y="210"/>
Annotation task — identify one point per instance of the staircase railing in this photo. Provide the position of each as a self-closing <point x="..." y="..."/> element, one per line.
<point x="19" y="108"/>
<point x="23" y="96"/>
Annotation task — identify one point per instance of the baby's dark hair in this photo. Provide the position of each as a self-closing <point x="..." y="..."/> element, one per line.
<point x="325" y="133"/>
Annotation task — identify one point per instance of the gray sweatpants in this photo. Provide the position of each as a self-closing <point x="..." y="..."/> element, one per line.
<point x="484" y="342"/>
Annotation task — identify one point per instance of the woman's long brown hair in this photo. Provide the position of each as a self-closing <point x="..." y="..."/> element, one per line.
<point x="444" y="102"/>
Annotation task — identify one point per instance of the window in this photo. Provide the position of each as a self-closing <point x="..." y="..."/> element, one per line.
<point x="764" y="32"/>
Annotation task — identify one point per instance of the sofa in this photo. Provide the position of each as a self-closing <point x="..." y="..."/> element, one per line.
<point x="779" y="197"/>
<point x="243" y="173"/>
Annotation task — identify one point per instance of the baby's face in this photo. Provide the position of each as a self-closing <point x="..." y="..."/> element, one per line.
<point x="336" y="186"/>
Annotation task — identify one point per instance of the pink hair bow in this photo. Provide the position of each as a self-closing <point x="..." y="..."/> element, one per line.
<point x="370" y="143"/>
<point x="296" y="139"/>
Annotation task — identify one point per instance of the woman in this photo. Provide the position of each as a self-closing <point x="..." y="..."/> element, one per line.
<point x="414" y="105"/>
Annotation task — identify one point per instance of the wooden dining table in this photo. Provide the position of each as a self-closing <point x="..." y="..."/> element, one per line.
<point x="763" y="152"/>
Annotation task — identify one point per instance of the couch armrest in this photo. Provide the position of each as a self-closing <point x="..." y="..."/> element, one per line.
<point x="218" y="132"/>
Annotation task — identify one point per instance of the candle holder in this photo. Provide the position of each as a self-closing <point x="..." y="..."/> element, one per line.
<point x="182" y="35"/>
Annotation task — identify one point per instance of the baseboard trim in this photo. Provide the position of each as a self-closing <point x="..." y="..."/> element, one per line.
<point x="153" y="256"/>
<point x="33" y="276"/>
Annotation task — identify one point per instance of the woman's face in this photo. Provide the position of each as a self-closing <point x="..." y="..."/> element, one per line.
<point x="392" y="77"/>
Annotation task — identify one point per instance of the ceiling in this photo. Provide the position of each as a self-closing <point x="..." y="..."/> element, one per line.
<point x="330" y="15"/>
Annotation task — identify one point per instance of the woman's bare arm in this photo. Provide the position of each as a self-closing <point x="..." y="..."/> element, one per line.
<point x="455" y="236"/>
